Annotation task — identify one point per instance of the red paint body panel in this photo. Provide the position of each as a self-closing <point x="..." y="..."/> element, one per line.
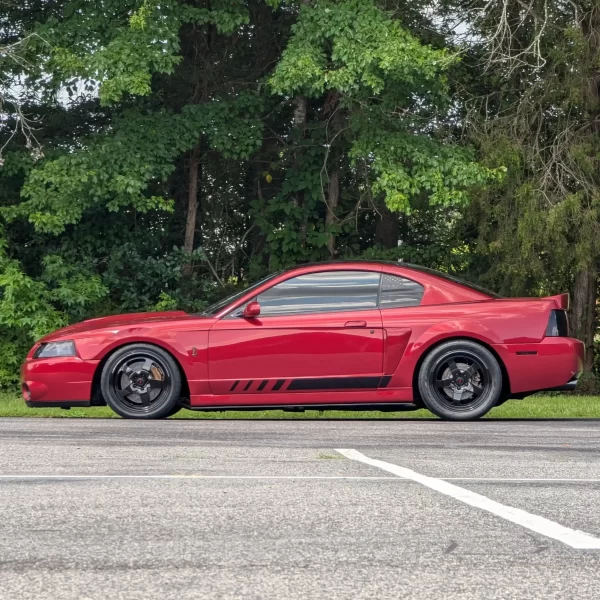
<point x="294" y="347"/>
<point x="354" y="356"/>
<point x="184" y="336"/>
<point x="557" y="360"/>
<point x="396" y="340"/>
<point x="58" y="379"/>
<point x="303" y="398"/>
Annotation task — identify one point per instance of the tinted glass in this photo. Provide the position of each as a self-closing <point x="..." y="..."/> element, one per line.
<point x="321" y="292"/>
<point x="398" y="291"/>
<point x="213" y="309"/>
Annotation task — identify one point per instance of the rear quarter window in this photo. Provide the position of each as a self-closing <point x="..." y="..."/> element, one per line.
<point x="398" y="292"/>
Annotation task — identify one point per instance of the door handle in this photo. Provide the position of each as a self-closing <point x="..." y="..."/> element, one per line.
<point x="355" y="324"/>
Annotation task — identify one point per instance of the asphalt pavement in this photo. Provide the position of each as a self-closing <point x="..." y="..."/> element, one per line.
<point x="94" y="509"/>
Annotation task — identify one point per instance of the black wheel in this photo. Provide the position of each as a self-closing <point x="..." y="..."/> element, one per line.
<point x="460" y="381"/>
<point x="141" y="381"/>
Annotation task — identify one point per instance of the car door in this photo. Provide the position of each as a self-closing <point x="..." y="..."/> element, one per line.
<point x="318" y="331"/>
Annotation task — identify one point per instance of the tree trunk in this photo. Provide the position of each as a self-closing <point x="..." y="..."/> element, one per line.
<point x="387" y="229"/>
<point x="192" y="211"/>
<point x="201" y="74"/>
<point x="583" y="312"/>
<point x="333" y="198"/>
<point x="300" y="114"/>
<point x="300" y="110"/>
<point x="585" y="287"/>
<point x="300" y="124"/>
<point x="257" y="241"/>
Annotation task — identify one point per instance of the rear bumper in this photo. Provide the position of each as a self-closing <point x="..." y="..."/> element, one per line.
<point x="553" y="363"/>
<point x="57" y="381"/>
<point x="567" y="387"/>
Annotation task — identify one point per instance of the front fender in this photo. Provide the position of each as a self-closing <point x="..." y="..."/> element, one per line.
<point x="189" y="348"/>
<point x="96" y="347"/>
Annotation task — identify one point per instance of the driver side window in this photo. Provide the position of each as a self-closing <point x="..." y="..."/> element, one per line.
<point x="328" y="291"/>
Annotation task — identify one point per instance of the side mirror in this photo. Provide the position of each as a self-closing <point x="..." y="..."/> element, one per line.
<point x="252" y="310"/>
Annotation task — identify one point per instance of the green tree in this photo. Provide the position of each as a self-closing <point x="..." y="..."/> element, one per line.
<point x="536" y="110"/>
<point x="184" y="146"/>
<point x="371" y="103"/>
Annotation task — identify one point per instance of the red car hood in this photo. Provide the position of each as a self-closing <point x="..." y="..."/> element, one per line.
<point x="120" y="321"/>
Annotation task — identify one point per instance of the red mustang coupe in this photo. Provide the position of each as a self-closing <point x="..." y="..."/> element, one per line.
<point x="344" y="335"/>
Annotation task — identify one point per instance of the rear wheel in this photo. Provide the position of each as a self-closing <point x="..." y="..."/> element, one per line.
<point x="460" y="381"/>
<point x="141" y="381"/>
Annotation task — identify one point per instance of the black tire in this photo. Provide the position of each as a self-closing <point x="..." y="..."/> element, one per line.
<point x="141" y="381"/>
<point x="460" y="381"/>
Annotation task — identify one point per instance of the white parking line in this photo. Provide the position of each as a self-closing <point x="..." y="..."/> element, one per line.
<point x="193" y="476"/>
<point x="570" y="537"/>
<point x="522" y="479"/>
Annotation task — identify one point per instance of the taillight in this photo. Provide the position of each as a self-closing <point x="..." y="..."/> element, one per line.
<point x="558" y="324"/>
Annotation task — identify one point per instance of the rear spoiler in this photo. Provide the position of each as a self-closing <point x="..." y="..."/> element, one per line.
<point x="561" y="301"/>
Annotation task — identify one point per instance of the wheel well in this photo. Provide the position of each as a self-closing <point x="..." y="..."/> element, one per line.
<point x="97" y="398"/>
<point x="505" y="379"/>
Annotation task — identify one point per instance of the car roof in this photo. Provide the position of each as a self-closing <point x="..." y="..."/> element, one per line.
<point x="440" y="288"/>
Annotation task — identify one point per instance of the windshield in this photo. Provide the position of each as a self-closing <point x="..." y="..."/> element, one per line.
<point x="217" y="307"/>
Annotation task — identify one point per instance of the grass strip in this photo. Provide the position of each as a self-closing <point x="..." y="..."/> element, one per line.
<point x="534" y="407"/>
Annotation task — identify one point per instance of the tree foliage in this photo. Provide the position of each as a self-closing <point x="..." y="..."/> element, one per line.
<point x="156" y="155"/>
<point x="536" y="111"/>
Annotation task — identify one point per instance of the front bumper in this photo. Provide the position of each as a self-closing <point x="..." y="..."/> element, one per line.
<point x="66" y="404"/>
<point x="60" y="380"/>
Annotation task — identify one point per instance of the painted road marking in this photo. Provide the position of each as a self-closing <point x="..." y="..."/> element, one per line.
<point x="283" y="477"/>
<point x="570" y="537"/>
<point x="193" y="476"/>
<point x="523" y="479"/>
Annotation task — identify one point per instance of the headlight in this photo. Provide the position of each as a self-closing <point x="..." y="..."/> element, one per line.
<point x="52" y="349"/>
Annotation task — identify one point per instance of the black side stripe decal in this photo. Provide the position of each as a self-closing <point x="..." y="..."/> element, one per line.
<point x="384" y="381"/>
<point x="334" y="383"/>
<point x="321" y="383"/>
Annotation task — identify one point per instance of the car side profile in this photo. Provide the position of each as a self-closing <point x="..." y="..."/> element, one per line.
<point x="342" y="335"/>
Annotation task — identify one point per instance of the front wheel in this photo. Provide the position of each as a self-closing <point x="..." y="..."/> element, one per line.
<point x="141" y="381"/>
<point x="460" y="381"/>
